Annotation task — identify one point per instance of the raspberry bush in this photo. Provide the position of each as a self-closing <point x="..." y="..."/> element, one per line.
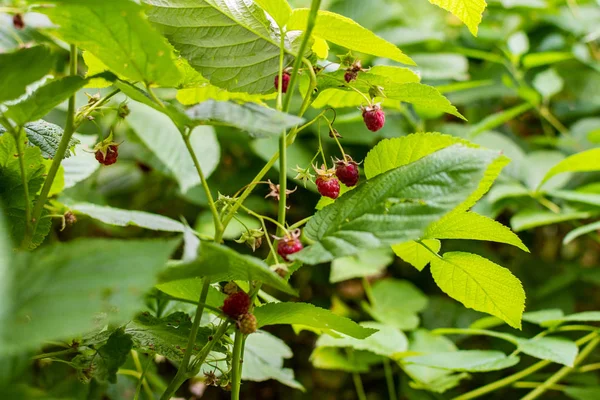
<point x="186" y="183"/>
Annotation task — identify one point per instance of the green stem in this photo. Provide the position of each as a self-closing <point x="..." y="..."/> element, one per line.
<point x="458" y="331"/>
<point x="360" y="390"/>
<point x="89" y="110"/>
<point x="588" y="368"/>
<point x="517" y="376"/>
<point x="310" y="25"/>
<point x="236" y="366"/>
<point x="389" y="378"/>
<point x="142" y="379"/>
<point x="18" y="141"/>
<point x="533" y="385"/>
<point x="58" y="157"/>
<point x="563" y="372"/>
<point x="203" y="354"/>
<point x="54" y="354"/>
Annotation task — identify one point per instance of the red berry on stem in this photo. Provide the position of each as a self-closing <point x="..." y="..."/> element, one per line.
<point x="109" y="157"/>
<point x="236" y="305"/>
<point x="18" y="22"/>
<point x="289" y="244"/>
<point x="328" y="186"/>
<point x="374" y="117"/>
<point x="347" y="171"/>
<point x="350" y="75"/>
<point x="286" y="81"/>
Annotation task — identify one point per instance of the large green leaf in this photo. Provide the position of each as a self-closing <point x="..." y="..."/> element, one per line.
<point x="231" y="42"/>
<point x="12" y="193"/>
<point x="556" y="349"/>
<point x="22" y="67"/>
<point x="44" y="99"/>
<point x="396" y="206"/>
<point x="112" y="355"/>
<point x="311" y="316"/>
<point x="46" y="136"/>
<point x="163" y="138"/>
<point x="387" y="341"/>
<point x="465" y="360"/>
<point x="581" y="162"/>
<point x="264" y="355"/>
<point x="472" y="226"/>
<point x="468" y="11"/>
<point x="66" y="290"/>
<point x="118" y="34"/>
<point x="396" y="303"/>
<point x="259" y="121"/>
<point x="480" y="284"/>
<point x="220" y="263"/>
<point x="166" y="336"/>
<point x="119" y="217"/>
<point x="346" y="33"/>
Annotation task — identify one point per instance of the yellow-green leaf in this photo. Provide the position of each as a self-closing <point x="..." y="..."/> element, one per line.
<point x="481" y="285"/>
<point x="581" y="162"/>
<point x="416" y="254"/>
<point x="280" y="10"/>
<point x="207" y="91"/>
<point x="468" y="11"/>
<point x="472" y="226"/>
<point x="346" y="33"/>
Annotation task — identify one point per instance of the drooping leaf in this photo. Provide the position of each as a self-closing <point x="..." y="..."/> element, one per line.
<point x="64" y="290"/>
<point x="387" y="341"/>
<point x="531" y="218"/>
<point x="495" y="120"/>
<point x="111" y="356"/>
<point x="257" y="120"/>
<point x="232" y="43"/>
<point x="12" y="192"/>
<point x="416" y="254"/>
<point x="480" y="284"/>
<point x="468" y="11"/>
<point x="582" y="230"/>
<point x="220" y="263"/>
<point x="119" y="217"/>
<point x="280" y="10"/>
<point x="46" y="136"/>
<point x="396" y="206"/>
<point x="466" y="360"/>
<point x="370" y="262"/>
<point x="311" y="316"/>
<point x="166" y="336"/>
<point x="163" y="138"/>
<point x="585" y="316"/>
<point x="43" y="99"/>
<point x="472" y="226"/>
<point x="21" y="68"/>
<point x="559" y="350"/>
<point x="581" y="162"/>
<point x="118" y="34"/>
<point x="346" y="33"/>
<point x="264" y="355"/>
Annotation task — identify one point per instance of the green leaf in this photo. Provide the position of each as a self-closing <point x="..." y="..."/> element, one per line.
<point x="280" y="10"/>
<point x="118" y="217"/>
<point x="21" y="68"/>
<point x="166" y="336"/>
<point x="387" y="341"/>
<point x="232" y="43"/>
<point x="257" y="120"/>
<point x="581" y="162"/>
<point x="112" y="355"/>
<point x="493" y="121"/>
<point x="12" y="192"/>
<point x="539" y="317"/>
<point x="220" y="263"/>
<point x="396" y="206"/>
<point x="548" y="83"/>
<point x="346" y="33"/>
<point x="62" y="288"/>
<point x="6" y="276"/>
<point x="43" y="99"/>
<point x="481" y="285"/>
<point x="472" y="226"/>
<point x="396" y="303"/>
<point x="264" y="355"/>
<point x="582" y="393"/>
<point x="370" y="262"/>
<point x="423" y="96"/>
<point x="582" y="230"/>
<point x="309" y="315"/>
<point x="468" y="11"/>
<point x="559" y="350"/>
<point x="118" y="34"/>
<point x="416" y="254"/>
<point x="46" y="136"/>
<point x="163" y="138"/>
<point x="465" y="360"/>
<point x="528" y="219"/>
<point x="332" y="358"/>
<point x="586" y="316"/>
<point x="534" y="60"/>
<point x="190" y="289"/>
<point x="577" y="196"/>
<point x="206" y="91"/>
<point x="82" y="164"/>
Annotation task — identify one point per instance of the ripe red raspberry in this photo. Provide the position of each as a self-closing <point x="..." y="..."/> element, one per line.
<point x="236" y="305"/>
<point x="109" y="157"/>
<point x="289" y="244"/>
<point x="286" y="81"/>
<point x="18" y="22"/>
<point x="328" y="186"/>
<point x="374" y="117"/>
<point x="247" y="324"/>
<point x="350" y="76"/>
<point x="347" y="171"/>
